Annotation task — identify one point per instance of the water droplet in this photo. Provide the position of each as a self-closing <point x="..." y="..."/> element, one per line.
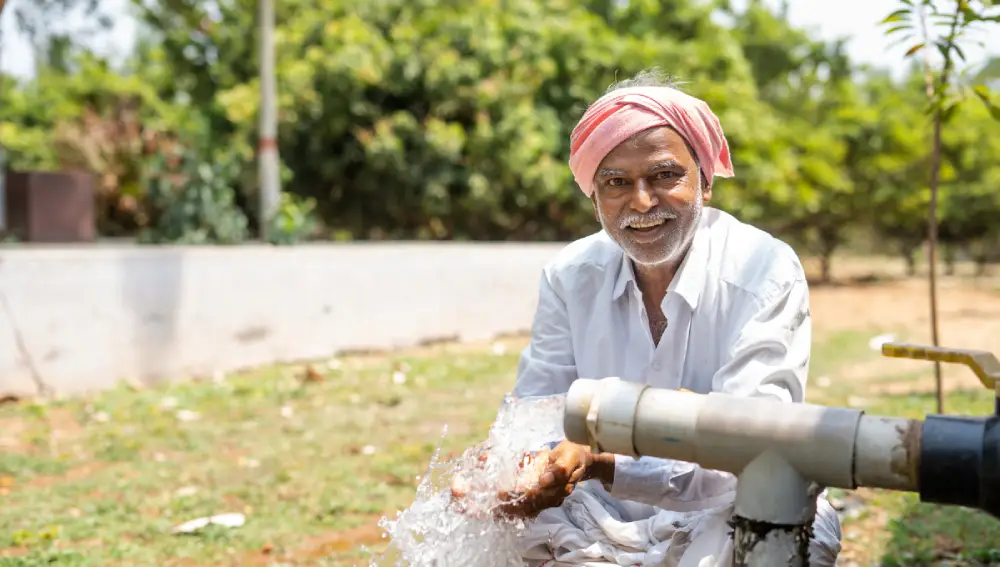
<point x="438" y="530"/>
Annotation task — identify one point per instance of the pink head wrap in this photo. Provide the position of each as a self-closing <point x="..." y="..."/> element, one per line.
<point x="620" y="114"/>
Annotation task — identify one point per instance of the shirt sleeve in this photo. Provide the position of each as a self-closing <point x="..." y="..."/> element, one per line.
<point x="768" y="356"/>
<point x="547" y="365"/>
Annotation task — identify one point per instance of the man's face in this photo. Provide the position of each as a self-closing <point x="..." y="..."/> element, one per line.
<point x="649" y="196"/>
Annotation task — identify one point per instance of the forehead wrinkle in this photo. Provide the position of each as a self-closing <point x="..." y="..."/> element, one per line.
<point x="642" y="138"/>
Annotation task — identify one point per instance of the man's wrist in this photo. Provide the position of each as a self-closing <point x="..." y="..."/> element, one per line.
<point x="602" y="468"/>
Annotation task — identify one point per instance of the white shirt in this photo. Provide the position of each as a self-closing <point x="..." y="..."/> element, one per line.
<point x="738" y="322"/>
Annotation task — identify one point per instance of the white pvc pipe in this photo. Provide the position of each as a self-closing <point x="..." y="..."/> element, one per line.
<point x="835" y="447"/>
<point x="775" y="507"/>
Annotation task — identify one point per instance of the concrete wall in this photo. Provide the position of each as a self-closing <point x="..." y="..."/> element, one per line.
<point x="82" y="318"/>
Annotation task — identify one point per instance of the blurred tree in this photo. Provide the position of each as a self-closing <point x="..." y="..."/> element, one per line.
<point x="430" y="119"/>
<point x="896" y="165"/>
<point x="92" y="119"/>
<point x="447" y="119"/>
<point x="970" y="212"/>
<point x="913" y="21"/>
<point x="44" y="24"/>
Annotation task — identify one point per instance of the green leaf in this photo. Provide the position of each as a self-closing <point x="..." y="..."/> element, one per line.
<point x="948" y="111"/>
<point x="968" y="12"/>
<point x="982" y="92"/>
<point x="914" y="49"/>
<point x="984" y="95"/>
<point x="959" y="51"/>
<point x="943" y="49"/>
<point x="893" y="30"/>
<point x="900" y="15"/>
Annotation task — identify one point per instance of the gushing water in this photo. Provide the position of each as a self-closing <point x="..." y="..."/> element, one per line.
<point x="438" y="530"/>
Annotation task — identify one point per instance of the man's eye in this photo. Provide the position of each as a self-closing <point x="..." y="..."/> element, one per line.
<point x="616" y="182"/>
<point x="665" y="175"/>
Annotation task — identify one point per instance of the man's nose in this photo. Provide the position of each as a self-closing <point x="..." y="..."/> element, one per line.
<point x="644" y="198"/>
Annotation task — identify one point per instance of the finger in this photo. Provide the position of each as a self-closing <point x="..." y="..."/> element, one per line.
<point x="512" y="495"/>
<point x="547" y="479"/>
<point x="577" y="475"/>
<point x="560" y="470"/>
<point x="526" y="508"/>
<point x="532" y="507"/>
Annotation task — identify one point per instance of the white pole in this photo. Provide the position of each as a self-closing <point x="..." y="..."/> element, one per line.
<point x="268" y="161"/>
<point x="3" y="177"/>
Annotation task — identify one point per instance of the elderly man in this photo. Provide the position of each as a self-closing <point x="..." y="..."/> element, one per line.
<point x="671" y="292"/>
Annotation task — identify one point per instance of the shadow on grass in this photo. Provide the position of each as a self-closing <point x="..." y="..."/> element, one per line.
<point x="926" y="535"/>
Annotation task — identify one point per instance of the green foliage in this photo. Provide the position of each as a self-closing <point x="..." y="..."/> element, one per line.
<point x="435" y="119"/>
<point x="192" y="198"/>
<point x="927" y="535"/>
<point x="438" y="119"/>
<point x="295" y="221"/>
<point x="914" y="24"/>
<point x="94" y="119"/>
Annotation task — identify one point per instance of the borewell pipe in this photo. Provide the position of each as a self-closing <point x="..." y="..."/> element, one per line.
<point x="782" y="453"/>
<point x="832" y="446"/>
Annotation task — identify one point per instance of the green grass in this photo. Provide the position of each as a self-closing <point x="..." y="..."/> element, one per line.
<point x="916" y="534"/>
<point x="929" y="535"/>
<point x="101" y="481"/>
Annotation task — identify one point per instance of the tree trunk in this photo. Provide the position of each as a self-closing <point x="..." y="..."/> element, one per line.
<point x="949" y="260"/>
<point x="932" y="225"/>
<point x="982" y="264"/>
<point x="908" y="252"/>
<point x="825" y="268"/>
<point x="829" y="240"/>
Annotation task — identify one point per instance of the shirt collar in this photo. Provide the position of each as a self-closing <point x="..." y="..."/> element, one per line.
<point x="689" y="279"/>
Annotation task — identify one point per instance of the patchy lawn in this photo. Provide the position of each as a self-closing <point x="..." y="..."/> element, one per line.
<point x="314" y="458"/>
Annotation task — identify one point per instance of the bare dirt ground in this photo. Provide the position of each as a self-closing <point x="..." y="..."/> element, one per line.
<point x="968" y="318"/>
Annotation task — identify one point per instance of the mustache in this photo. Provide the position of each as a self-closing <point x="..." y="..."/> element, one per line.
<point x="652" y="216"/>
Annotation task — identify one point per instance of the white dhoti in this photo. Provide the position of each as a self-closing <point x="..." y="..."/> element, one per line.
<point x="592" y="529"/>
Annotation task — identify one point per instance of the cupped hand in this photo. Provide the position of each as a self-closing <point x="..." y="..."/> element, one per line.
<point x="552" y="475"/>
<point x="568" y="465"/>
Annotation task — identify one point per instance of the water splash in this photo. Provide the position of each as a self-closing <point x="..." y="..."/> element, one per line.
<point x="440" y="531"/>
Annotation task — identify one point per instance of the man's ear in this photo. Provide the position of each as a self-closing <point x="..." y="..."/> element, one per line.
<point x="706" y="190"/>
<point x="593" y="202"/>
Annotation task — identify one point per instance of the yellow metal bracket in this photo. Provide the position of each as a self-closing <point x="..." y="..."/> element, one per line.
<point x="983" y="363"/>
